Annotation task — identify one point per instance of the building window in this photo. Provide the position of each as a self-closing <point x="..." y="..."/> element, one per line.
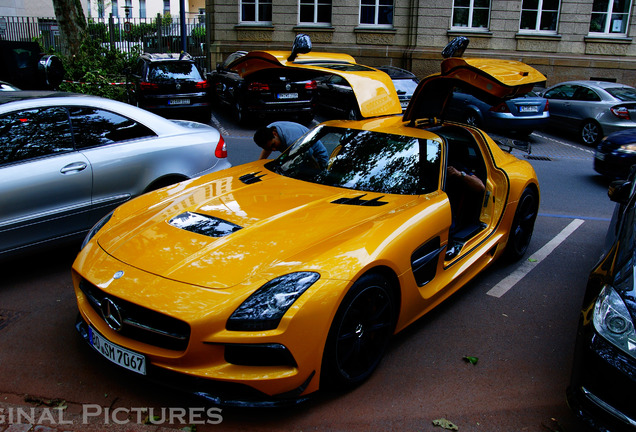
<point x="256" y="11"/>
<point x="471" y="13"/>
<point x="376" y="12"/>
<point x="166" y="7"/>
<point x="539" y="15"/>
<point x="610" y="17"/>
<point x="114" y="8"/>
<point x="314" y="12"/>
<point x="142" y="8"/>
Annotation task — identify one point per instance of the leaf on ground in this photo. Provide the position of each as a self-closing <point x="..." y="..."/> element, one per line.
<point x="533" y="259"/>
<point x="471" y="360"/>
<point x="446" y="424"/>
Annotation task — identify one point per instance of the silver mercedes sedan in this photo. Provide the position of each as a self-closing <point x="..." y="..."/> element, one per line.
<point x="592" y="109"/>
<point x="66" y="160"/>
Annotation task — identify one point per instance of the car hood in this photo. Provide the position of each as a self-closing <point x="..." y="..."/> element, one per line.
<point x="373" y="88"/>
<point x="487" y="79"/>
<point x="262" y="234"/>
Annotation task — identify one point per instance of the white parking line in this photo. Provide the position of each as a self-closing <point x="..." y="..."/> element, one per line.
<point x="509" y="281"/>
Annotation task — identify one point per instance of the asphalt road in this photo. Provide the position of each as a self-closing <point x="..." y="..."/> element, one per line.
<point x="521" y="329"/>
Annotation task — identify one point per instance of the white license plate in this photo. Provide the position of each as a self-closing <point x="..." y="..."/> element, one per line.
<point x="179" y="102"/>
<point x="118" y="355"/>
<point x="287" y="95"/>
<point x="525" y="109"/>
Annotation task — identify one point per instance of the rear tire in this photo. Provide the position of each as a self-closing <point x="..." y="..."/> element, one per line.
<point x="591" y="133"/>
<point x="359" y="333"/>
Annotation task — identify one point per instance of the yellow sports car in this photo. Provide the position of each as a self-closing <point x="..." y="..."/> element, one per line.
<point x="264" y="282"/>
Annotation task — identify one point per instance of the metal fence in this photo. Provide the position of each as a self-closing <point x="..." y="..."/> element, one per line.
<point x="158" y="34"/>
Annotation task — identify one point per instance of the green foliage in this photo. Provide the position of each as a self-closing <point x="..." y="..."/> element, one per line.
<point x="198" y="32"/>
<point x="95" y="68"/>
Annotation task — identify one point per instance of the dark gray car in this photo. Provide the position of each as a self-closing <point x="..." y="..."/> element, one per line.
<point x="593" y="109"/>
<point x="66" y="160"/>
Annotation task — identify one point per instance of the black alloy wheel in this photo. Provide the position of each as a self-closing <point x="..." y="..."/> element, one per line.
<point x="360" y="332"/>
<point x="522" y="225"/>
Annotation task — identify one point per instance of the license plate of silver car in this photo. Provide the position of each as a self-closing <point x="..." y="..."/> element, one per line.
<point x="528" y="108"/>
<point x="287" y="95"/>
<point x="116" y="354"/>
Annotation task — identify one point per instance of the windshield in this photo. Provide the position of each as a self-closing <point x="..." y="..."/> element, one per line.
<point x="623" y="93"/>
<point x="363" y="160"/>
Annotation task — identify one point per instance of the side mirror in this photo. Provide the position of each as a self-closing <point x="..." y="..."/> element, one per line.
<point x="619" y="191"/>
<point x="302" y="45"/>
<point x="456" y="47"/>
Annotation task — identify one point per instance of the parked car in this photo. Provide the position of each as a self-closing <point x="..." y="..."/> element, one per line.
<point x="261" y="284"/>
<point x="592" y="109"/>
<point x="405" y="83"/>
<point x="521" y="115"/>
<point x="602" y="388"/>
<point x="615" y="154"/>
<point x="336" y="95"/>
<point x="169" y="84"/>
<point x="66" y="160"/>
<point x="264" y="93"/>
<point x="25" y="66"/>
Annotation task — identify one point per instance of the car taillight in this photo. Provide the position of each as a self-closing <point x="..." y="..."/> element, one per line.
<point x="221" y="148"/>
<point x="547" y="106"/>
<point x="256" y="86"/>
<point x="620" y="112"/>
<point x="148" y="86"/>
<point x="311" y="85"/>
<point x="502" y="108"/>
<point x="202" y="85"/>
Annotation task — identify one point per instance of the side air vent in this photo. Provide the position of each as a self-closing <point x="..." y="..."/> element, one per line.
<point x="202" y="224"/>
<point x="251" y="178"/>
<point x="359" y="201"/>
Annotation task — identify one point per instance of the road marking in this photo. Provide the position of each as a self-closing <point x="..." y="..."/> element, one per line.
<point x="511" y="280"/>
<point x="219" y="126"/>
<point x="576" y="147"/>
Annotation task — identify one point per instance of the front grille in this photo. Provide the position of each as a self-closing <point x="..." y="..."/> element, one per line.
<point x="139" y="323"/>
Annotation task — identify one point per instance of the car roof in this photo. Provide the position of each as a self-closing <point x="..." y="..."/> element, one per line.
<point x="21" y="95"/>
<point x="159" y="57"/>
<point x="593" y="83"/>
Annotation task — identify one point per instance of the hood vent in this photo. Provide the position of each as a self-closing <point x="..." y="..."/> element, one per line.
<point x="202" y="224"/>
<point x="358" y="201"/>
<point x="251" y="178"/>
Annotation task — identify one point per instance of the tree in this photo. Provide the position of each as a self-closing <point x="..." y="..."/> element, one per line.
<point x="70" y="18"/>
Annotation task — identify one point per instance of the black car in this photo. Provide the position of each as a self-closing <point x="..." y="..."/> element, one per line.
<point x="272" y="93"/>
<point x="602" y="389"/>
<point x="405" y="83"/>
<point x="170" y="85"/>
<point x="615" y="154"/>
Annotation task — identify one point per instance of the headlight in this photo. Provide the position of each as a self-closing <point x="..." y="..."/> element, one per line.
<point x="264" y="309"/>
<point x="627" y="148"/>
<point x="612" y="321"/>
<point x="99" y="225"/>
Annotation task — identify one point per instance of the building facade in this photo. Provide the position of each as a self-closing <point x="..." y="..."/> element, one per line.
<point x="564" y="39"/>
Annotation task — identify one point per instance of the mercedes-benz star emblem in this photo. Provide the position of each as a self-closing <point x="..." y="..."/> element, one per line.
<point x="111" y="314"/>
<point x="178" y="86"/>
<point x="118" y="275"/>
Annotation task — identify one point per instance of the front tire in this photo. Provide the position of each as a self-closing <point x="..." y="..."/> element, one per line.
<point x="522" y="225"/>
<point x="359" y="333"/>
